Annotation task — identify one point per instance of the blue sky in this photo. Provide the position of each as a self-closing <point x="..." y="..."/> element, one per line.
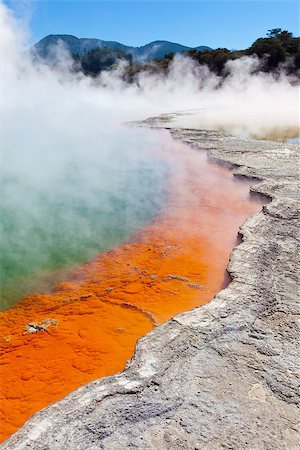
<point x="231" y="24"/>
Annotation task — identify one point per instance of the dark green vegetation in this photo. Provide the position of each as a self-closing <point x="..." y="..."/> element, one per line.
<point x="280" y="49"/>
<point x="95" y="61"/>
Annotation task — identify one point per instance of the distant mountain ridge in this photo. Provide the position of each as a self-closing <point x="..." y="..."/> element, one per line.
<point x="153" y="50"/>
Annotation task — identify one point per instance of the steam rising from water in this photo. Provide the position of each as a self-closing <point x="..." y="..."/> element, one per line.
<point x="75" y="180"/>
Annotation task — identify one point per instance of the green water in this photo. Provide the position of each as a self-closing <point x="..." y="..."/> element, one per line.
<point x="49" y="226"/>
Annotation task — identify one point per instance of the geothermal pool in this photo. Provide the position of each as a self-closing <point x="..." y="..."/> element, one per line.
<point x="170" y="258"/>
<point x="48" y="228"/>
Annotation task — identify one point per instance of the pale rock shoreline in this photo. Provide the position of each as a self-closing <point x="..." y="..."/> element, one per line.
<point x="224" y="375"/>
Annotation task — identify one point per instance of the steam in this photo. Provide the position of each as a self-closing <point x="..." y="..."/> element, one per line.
<point x="75" y="179"/>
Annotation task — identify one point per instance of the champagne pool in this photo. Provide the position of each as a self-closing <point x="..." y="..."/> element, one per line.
<point x="183" y="213"/>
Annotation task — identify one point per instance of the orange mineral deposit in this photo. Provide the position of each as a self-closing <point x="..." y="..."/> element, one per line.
<point x="88" y="325"/>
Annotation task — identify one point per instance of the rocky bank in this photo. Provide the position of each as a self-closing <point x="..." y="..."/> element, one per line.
<point x="222" y="376"/>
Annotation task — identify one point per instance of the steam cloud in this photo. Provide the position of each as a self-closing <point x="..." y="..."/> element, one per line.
<point x="69" y="165"/>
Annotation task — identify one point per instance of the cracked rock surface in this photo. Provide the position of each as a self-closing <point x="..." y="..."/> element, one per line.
<point x="222" y="376"/>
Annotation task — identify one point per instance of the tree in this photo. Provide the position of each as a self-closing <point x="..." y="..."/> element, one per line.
<point x="214" y="59"/>
<point x="99" y="59"/>
<point x="274" y="32"/>
<point x="270" y="48"/>
<point x="283" y="35"/>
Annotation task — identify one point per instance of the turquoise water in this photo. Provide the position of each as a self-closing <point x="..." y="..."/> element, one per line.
<point x="49" y="226"/>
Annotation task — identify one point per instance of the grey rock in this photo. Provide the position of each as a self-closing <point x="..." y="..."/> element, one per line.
<point x="33" y="327"/>
<point x="222" y="376"/>
<point x="177" y="277"/>
<point x="153" y="277"/>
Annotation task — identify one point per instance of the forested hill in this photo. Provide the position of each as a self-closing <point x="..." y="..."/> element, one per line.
<point x="279" y="50"/>
<point x="153" y="50"/>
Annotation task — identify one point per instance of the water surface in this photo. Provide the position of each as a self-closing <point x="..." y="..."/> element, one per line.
<point x="49" y="226"/>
